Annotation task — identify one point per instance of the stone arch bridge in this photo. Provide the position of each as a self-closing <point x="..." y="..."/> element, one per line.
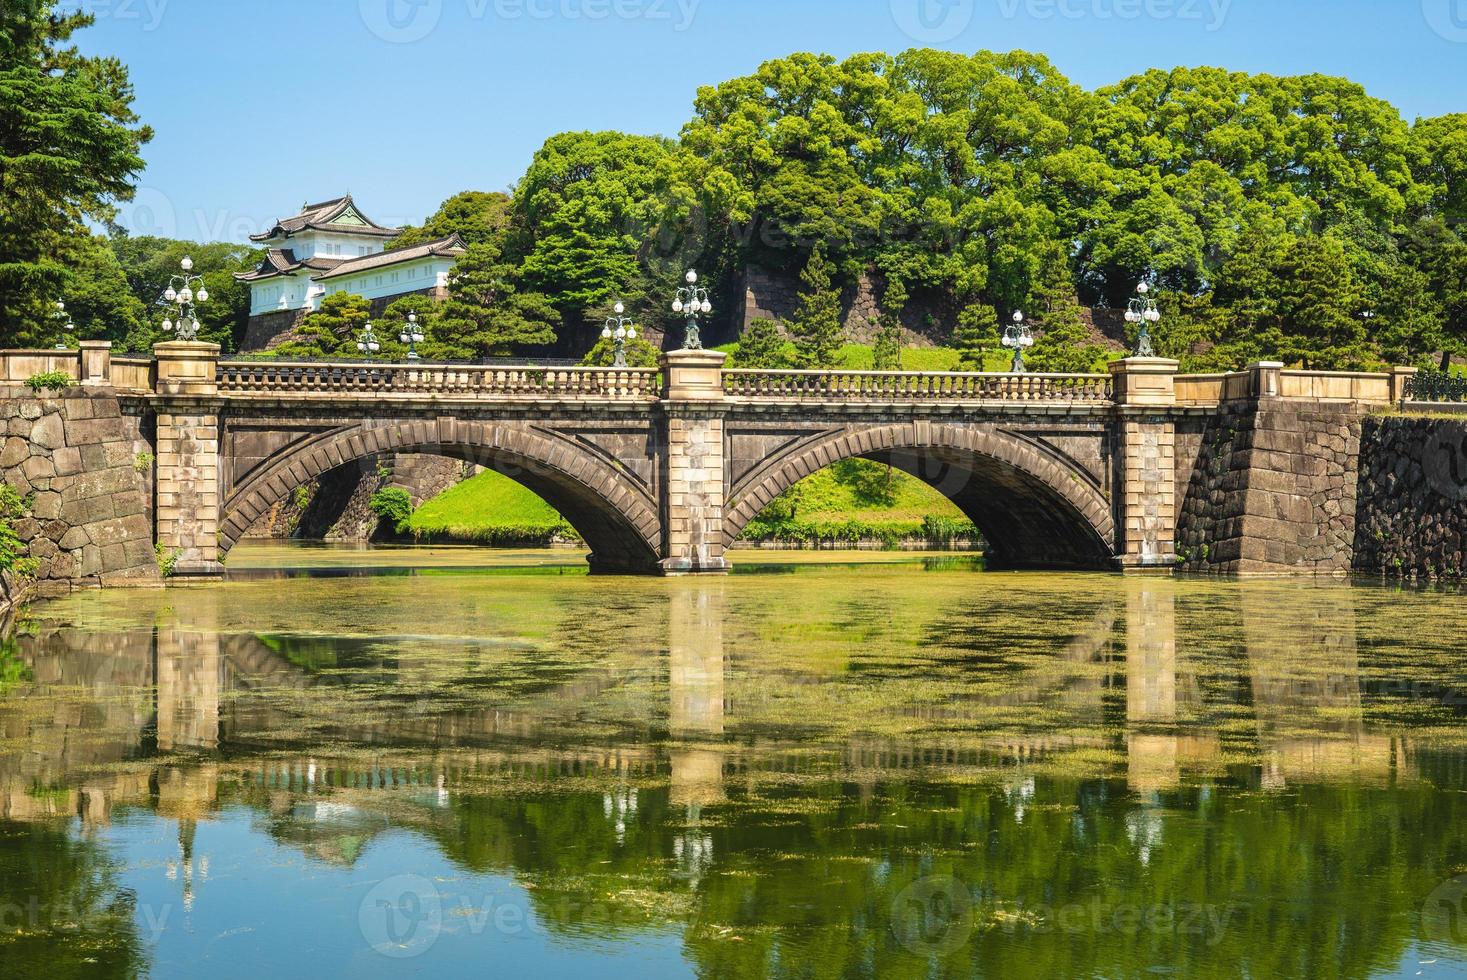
<point x="660" y="469"/>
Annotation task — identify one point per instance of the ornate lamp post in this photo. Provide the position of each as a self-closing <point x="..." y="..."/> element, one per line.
<point x="63" y="323"/>
<point x="1018" y="338"/>
<point x="619" y="329"/>
<point x="1143" y="311"/>
<point x="179" y="297"/>
<point x="412" y="335"/>
<point x="367" y="343"/>
<point x="692" y="299"/>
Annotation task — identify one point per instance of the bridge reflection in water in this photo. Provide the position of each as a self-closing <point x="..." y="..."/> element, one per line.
<point x="1089" y="760"/>
<point x="186" y="691"/>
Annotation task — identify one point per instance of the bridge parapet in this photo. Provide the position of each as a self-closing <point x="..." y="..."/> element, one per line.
<point x="472" y="381"/>
<point x="912" y="386"/>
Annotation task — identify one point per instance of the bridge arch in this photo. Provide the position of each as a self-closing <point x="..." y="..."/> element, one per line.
<point x="1035" y="506"/>
<point x="615" y="514"/>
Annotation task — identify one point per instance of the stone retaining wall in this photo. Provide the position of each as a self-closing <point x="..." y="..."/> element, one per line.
<point x="87" y="470"/>
<point x="1273" y="489"/>
<point x="1413" y="497"/>
<point x="337" y="505"/>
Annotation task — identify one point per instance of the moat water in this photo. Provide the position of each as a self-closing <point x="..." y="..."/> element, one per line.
<point x="454" y="762"/>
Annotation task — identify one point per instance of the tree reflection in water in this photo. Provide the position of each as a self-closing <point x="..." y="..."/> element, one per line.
<point x="1207" y="778"/>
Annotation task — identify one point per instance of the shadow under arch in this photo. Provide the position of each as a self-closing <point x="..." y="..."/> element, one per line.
<point x="1035" y="506"/>
<point x="616" y="515"/>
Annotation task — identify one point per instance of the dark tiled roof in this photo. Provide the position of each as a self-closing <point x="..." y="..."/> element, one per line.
<point x="451" y="247"/>
<point x="322" y="217"/>
<point x="282" y="262"/>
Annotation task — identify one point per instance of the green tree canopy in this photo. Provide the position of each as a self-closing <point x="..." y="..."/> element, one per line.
<point x="69" y="150"/>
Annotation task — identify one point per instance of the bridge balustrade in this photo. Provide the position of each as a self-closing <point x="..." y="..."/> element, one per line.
<point x="277" y="377"/>
<point x="907" y="386"/>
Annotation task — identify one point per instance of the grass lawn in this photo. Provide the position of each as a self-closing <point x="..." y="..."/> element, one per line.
<point x="489" y="509"/>
<point x="851" y="501"/>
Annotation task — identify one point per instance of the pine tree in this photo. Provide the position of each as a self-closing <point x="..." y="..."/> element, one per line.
<point x="888" y="352"/>
<point x="487" y="314"/>
<point x="1063" y="344"/>
<point x="816" y="326"/>
<point x="330" y="331"/>
<point x="762" y="346"/>
<point x="977" y="336"/>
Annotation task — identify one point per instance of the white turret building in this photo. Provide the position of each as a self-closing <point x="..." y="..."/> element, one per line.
<point x="333" y="247"/>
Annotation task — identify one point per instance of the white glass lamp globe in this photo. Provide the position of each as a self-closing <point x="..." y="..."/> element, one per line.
<point x="1143" y="288"/>
<point x="707" y="306"/>
<point x="619" y="309"/>
<point x="692" y="277"/>
<point x="631" y="333"/>
<point x="167" y="325"/>
<point x="187" y="263"/>
<point x="170" y="294"/>
<point x="1153" y="315"/>
<point x="412" y="318"/>
<point x="402" y="337"/>
<point x="203" y="296"/>
<point x="1018" y="316"/>
<point x="60" y="306"/>
<point x="677" y="306"/>
<point x="374" y="347"/>
<point x="606" y="333"/>
<point x="186" y="295"/>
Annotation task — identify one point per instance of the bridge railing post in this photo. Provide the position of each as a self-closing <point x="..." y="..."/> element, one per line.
<point x="1400" y="377"/>
<point x="187" y="458"/>
<point x="693" y="485"/>
<point x="1146" y="479"/>
<point x="96" y="363"/>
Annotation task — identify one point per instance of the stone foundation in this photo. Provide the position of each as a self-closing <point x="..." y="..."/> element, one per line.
<point x="1412" y="504"/>
<point x="88" y="471"/>
<point x="1273" y="489"/>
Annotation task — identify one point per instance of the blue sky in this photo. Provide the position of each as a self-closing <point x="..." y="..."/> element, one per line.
<point x="261" y="105"/>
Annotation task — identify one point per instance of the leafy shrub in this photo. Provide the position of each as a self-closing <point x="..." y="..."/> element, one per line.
<point x="167" y="560"/>
<point x="946" y="530"/>
<point x="142" y="462"/>
<point x="56" y="381"/>
<point x="13" y="507"/>
<point x="393" y="505"/>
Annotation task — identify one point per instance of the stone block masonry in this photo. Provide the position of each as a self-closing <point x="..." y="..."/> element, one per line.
<point x="86" y="469"/>
<point x="1273" y="488"/>
<point x="1412" y="505"/>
